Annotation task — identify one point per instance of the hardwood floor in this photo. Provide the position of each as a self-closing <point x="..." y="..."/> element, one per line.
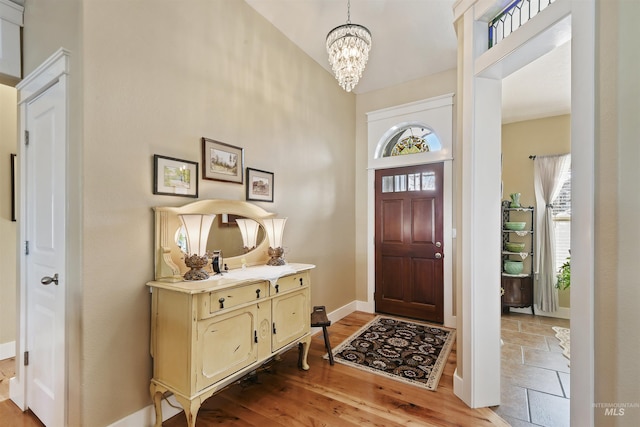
<point x="10" y="414"/>
<point x="325" y="395"/>
<point x="336" y="395"/>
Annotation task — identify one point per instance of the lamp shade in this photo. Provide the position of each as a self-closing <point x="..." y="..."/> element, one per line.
<point x="197" y="228"/>
<point x="249" y="231"/>
<point x="275" y="230"/>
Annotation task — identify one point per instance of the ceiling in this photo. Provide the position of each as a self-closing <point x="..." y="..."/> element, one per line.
<point x="412" y="39"/>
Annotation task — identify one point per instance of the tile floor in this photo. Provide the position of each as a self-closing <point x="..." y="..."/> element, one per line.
<point x="535" y="374"/>
<point x="7" y="370"/>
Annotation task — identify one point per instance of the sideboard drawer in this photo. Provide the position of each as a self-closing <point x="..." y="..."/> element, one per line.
<point x="214" y="302"/>
<point x="287" y="283"/>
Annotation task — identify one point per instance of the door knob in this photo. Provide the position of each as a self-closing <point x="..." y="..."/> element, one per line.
<point x="438" y="255"/>
<point x="46" y="280"/>
<point x="438" y="244"/>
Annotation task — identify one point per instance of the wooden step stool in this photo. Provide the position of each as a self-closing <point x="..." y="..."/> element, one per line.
<point x="319" y="319"/>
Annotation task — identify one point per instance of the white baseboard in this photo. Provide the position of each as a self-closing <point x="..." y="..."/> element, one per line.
<point x="147" y="416"/>
<point x="7" y="350"/>
<point x="458" y="388"/>
<point x="342" y="312"/>
<point x="451" y="322"/>
<point x="366" y="306"/>
<point x="338" y="314"/>
<point x="561" y="313"/>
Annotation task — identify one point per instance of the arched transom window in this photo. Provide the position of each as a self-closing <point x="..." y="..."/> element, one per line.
<point x="411" y="139"/>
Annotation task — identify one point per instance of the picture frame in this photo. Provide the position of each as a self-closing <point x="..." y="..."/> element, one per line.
<point x="175" y="177"/>
<point x="259" y="185"/>
<point x="229" y="220"/>
<point x="14" y="193"/>
<point x="222" y="162"/>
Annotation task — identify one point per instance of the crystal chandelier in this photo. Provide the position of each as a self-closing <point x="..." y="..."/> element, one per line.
<point x="348" y="48"/>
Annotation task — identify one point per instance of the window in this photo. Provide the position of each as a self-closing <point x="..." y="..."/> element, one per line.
<point x="411" y="139"/>
<point x="562" y="221"/>
<point x="421" y="181"/>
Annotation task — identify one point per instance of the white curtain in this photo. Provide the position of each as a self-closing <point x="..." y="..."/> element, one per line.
<point x="548" y="179"/>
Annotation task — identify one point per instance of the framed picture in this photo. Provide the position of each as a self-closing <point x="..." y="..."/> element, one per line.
<point x="14" y="193"/>
<point x="229" y="220"/>
<point x="175" y="177"/>
<point x="222" y="162"/>
<point x="259" y="185"/>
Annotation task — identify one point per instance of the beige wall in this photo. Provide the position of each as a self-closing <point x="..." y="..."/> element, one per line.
<point x="617" y="230"/>
<point x="157" y="77"/>
<point x="415" y="90"/>
<point x="542" y="137"/>
<point x="8" y="228"/>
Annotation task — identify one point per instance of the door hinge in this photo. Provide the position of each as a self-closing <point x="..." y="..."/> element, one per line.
<point x="26" y="247"/>
<point x="26" y="358"/>
<point x="26" y="137"/>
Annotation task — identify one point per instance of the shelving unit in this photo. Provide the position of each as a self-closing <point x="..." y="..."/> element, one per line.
<point x="518" y="288"/>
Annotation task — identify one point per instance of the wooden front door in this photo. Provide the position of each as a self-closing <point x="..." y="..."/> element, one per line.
<point x="408" y="242"/>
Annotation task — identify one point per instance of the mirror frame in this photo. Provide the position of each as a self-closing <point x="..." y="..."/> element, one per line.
<point x="168" y="258"/>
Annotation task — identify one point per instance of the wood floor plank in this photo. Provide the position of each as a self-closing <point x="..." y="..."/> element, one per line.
<point x="338" y="395"/>
<point x="12" y="416"/>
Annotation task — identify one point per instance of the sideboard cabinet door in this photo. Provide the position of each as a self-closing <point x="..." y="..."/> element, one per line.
<point x="290" y="318"/>
<point x="226" y="344"/>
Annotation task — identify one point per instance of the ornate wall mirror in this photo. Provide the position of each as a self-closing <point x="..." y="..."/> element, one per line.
<point x="224" y="235"/>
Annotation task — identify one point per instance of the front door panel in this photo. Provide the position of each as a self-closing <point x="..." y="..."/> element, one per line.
<point x="409" y="232"/>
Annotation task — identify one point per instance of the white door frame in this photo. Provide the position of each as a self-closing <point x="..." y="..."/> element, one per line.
<point x="437" y="113"/>
<point x="53" y="70"/>
<point x="476" y="360"/>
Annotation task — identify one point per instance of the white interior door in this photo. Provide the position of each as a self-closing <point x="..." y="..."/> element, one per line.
<point x="45" y="195"/>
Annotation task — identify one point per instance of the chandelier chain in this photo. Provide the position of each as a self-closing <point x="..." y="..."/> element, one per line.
<point x="348" y="11"/>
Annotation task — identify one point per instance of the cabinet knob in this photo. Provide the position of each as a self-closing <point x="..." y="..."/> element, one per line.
<point x="221" y="301"/>
<point x="257" y="293"/>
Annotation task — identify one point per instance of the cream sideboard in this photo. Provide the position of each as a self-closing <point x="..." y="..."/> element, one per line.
<point x="206" y="335"/>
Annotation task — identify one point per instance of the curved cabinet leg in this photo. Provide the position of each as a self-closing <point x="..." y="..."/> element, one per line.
<point x="191" y="408"/>
<point x="156" y="395"/>
<point x="304" y="352"/>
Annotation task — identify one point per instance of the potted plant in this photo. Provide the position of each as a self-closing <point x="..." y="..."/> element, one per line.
<point x="564" y="275"/>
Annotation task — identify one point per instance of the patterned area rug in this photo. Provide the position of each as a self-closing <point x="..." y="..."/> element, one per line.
<point x="415" y="353"/>
<point x="564" y="335"/>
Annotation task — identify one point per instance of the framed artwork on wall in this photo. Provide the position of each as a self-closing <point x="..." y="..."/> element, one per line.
<point x="222" y="162"/>
<point x="175" y="177"/>
<point x="259" y="185"/>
